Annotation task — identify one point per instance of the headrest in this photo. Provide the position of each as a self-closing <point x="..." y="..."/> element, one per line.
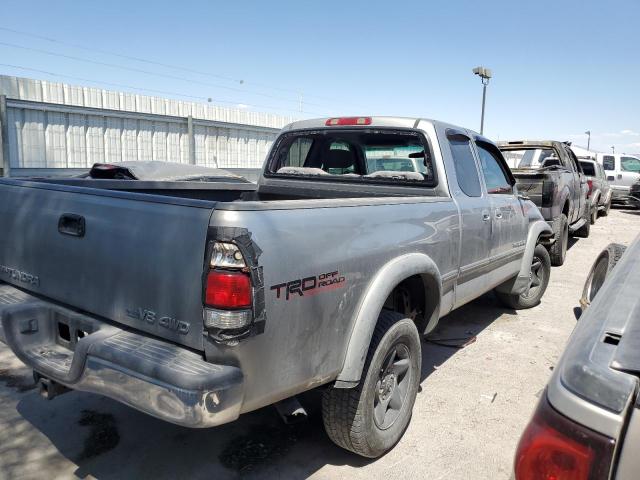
<point x="338" y="159"/>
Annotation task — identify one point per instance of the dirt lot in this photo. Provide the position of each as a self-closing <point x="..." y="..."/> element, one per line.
<point x="472" y="407"/>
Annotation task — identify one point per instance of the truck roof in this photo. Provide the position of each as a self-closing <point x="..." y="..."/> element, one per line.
<point x="529" y="143"/>
<point x="379" y="121"/>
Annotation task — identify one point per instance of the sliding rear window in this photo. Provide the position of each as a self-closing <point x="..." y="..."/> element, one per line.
<point x="362" y="155"/>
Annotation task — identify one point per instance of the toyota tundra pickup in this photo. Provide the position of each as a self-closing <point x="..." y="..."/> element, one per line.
<point x="196" y="303"/>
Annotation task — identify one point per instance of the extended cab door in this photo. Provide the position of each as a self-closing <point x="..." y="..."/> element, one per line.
<point x="476" y="219"/>
<point x="577" y="185"/>
<point x="509" y="232"/>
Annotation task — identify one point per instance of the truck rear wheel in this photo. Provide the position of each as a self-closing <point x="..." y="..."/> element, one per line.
<point x="538" y="281"/>
<point x="371" y="418"/>
<point x="558" y="250"/>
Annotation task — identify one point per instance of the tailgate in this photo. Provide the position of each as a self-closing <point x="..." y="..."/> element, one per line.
<point x="530" y="184"/>
<point x="139" y="261"/>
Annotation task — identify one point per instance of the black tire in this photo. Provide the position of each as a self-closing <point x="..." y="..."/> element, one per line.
<point x="594" y="214"/>
<point x="558" y="250"/>
<point x="539" y="280"/>
<point x="584" y="230"/>
<point x="349" y="415"/>
<point x="607" y="207"/>
<point x="599" y="272"/>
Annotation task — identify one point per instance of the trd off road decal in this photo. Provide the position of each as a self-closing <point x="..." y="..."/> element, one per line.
<point x="301" y="287"/>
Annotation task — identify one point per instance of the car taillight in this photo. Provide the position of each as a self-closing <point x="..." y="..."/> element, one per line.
<point x="590" y="184"/>
<point x="348" y="121"/>
<point x="555" y="448"/>
<point x="228" y="290"/>
<point x="548" y="191"/>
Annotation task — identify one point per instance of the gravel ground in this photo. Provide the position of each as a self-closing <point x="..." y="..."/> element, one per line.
<point x="473" y="404"/>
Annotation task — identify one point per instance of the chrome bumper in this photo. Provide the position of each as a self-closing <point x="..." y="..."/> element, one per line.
<point x="83" y="353"/>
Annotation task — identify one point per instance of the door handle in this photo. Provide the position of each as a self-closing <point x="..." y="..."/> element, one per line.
<point x="498" y="214"/>
<point x="619" y="176"/>
<point x="71" y="224"/>
<point x="486" y="217"/>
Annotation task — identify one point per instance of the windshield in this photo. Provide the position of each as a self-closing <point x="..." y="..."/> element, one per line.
<point x="532" y="158"/>
<point x="362" y="155"/>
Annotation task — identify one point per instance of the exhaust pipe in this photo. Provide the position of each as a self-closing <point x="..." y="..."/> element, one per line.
<point x="48" y="388"/>
<point x="291" y="411"/>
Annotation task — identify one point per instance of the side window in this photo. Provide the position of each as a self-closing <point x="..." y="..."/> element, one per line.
<point x="573" y="159"/>
<point x="494" y="176"/>
<point x="609" y="162"/>
<point x="465" y="164"/>
<point x="630" y="164"/>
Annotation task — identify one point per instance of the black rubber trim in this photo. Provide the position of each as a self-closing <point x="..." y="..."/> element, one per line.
<point x="251" y="252"/>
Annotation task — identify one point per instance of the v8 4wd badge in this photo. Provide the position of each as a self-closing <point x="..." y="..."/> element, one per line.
<point x="150" y="317"/>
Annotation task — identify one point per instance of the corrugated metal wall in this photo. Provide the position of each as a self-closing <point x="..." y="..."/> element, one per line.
<point x="54" y="125"/>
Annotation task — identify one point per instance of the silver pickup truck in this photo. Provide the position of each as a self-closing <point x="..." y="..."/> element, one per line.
<point x="196" y="303"/>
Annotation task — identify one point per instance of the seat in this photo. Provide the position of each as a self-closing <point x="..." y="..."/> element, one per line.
<point x="337" y="158"/>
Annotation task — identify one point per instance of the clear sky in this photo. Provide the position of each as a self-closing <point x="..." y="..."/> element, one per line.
<point x="560" y="67"/>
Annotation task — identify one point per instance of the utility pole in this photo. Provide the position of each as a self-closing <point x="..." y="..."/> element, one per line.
<point x="613" y="149"/>
<point x="485" y="75"/>
<point x="301" y="102"/>
<point x="588" y="133"/>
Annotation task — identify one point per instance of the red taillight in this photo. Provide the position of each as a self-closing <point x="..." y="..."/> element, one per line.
<point x="554" y="448"/>
<point x="590" y="183"/>
<point x="228" y="290"/>
<point x="335" y="122"/>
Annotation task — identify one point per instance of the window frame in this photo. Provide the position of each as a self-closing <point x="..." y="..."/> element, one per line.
<point x="495" y="152"/>
<point x="355" y="180"/>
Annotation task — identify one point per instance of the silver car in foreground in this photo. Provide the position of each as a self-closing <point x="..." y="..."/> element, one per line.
<point x="196" y="302"/>
<point x="587" y="423"/>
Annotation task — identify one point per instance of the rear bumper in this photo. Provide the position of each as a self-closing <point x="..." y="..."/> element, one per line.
<point x="164" y="380"/>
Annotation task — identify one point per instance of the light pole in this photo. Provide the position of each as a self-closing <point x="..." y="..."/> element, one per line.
<point x="613" y="149"/>
<point x="485" y="75"/>
<point x="588" y="133"/>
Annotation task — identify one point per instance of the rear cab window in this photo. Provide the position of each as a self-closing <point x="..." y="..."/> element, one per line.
<point x="531" y="158"/>
<point x="355" y="155"/>
<point x="588" y="168"/>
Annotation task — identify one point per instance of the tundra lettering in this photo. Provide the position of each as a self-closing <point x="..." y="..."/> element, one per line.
<point x="23" y="277"/>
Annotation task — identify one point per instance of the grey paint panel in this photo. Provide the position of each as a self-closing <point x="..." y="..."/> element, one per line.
<point x="136" y="256"/>
<point x="305" y="338"/>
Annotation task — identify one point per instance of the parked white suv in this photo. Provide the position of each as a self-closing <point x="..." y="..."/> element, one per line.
<point x="622" y="171"/>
